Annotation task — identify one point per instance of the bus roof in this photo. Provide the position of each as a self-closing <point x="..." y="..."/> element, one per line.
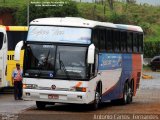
<point x="81" y="22"/>
<point x="14" y="28"/>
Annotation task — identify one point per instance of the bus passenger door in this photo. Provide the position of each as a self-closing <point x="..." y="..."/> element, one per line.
<point x="3" y="57"/>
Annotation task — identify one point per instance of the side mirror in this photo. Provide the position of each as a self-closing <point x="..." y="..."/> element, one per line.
<point x="18" y="50"/>
<point x="91" y="53"/>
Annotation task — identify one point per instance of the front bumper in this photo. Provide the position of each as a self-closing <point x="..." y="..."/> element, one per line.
<point x="63" y="96"/>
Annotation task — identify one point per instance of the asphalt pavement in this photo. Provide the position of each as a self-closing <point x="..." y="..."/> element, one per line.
<point x="151" y="83"/>
<point x="9" y="105"/>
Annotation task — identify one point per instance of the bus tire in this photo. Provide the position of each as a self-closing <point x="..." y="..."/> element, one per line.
<point x="40" y="105"/>
<point x="130" y="93"/>
<point x="97" y="100"/>
<point x="125" y="95"/>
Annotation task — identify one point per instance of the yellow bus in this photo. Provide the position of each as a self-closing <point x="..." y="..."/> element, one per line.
<point x="9" y="37"/>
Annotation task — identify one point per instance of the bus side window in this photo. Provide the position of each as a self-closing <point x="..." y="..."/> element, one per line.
<point x="1" y="39"/>
<point x="119" y="41"/>
<point x="129" y="42"/>
<point x="14" y="37"/>
<point x="116" y="37"/>
<point x="135" y="42"/>
<point x="140" y="42"/>
<point x="123" y="40"/>
<point x="102" y="40"/>
<point x="109" y="45"/>
<point x="95" y="38"/>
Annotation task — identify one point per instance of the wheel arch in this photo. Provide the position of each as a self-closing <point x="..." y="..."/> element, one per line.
<point x="132" y="83"/>
<point x="99" y="86"/>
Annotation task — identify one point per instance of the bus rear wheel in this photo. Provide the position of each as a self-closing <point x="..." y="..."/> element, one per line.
<point x="127" y="94"/>
<point x="40" y="105"/>
<point x="130" y="93"/>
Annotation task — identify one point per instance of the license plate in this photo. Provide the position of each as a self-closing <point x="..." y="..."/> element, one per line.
<point x="53" y="96"/>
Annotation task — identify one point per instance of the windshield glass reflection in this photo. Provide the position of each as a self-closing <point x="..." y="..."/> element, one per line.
<point x="71" y="62"/>
<point x="60" y="62"/>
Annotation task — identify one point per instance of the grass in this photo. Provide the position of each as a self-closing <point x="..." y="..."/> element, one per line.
<point x="146" y="68"/>
<point x="156" y="35"/>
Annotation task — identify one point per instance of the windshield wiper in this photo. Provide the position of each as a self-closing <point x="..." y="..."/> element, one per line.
<point x="63" y="66"/>
<point x="46" y="59"/>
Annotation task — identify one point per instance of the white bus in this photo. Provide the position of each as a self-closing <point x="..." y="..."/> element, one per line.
<point x="80" y="61"/>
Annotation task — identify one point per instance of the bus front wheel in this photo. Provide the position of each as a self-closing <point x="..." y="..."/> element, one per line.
<point x="97" y="100"/>
<point x="125" y="94"/>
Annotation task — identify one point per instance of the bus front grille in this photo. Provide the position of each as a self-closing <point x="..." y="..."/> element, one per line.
<point x="56" y="89"/>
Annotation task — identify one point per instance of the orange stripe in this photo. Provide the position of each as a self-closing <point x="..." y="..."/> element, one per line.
<point x="7" y="28"/>
<point x="78" y="84"/>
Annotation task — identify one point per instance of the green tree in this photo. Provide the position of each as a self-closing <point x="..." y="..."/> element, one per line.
<point x="131" y="1"/>
<point x="68" y="9"/>
<point x="110" y="2"/>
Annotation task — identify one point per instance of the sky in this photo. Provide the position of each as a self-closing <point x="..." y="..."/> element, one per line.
<point x="151" y="2"/>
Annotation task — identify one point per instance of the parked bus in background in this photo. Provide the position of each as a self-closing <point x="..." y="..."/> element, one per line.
<point x="75" y="60"/>
<point x="9" y="37"/>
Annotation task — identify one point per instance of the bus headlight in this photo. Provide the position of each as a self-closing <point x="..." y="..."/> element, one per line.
<point x="30" y="86"/>
<point x="79" y="89"/>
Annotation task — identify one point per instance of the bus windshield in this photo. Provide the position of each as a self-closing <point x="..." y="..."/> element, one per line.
<point x="59" y="62"/>
<point x="14" y="37"/>
<point x="71" y="62"/>
<point x="40" y="57"/>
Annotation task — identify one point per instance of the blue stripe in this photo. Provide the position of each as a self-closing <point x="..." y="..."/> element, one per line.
<point x="126" y="73"/>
